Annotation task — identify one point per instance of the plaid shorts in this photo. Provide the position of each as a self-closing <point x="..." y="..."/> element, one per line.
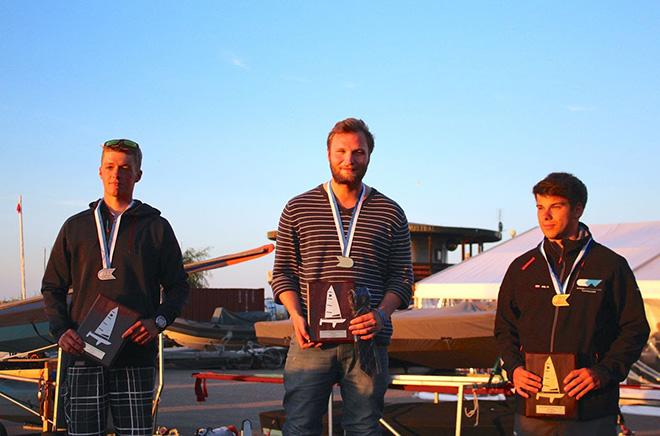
<point x="128" y="391"/>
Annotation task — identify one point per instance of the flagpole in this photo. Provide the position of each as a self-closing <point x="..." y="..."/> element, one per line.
<point x="21" y="248"/>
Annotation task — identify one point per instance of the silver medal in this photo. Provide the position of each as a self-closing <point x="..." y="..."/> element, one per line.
<point x="106" y="274"/>
<point x="345" y="239"/>
<point x="344" y="262"/>
<point x="107" y="250"/>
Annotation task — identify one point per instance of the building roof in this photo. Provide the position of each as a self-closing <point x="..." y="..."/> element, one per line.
<point x="457" y="234"/>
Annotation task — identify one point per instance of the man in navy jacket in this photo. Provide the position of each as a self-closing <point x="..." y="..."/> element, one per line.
<point x="570" y="294"/>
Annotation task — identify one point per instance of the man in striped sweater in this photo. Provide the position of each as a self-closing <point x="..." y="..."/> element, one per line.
<point x="341" y="231"/>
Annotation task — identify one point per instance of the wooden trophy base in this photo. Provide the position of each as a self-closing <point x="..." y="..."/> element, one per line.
<point x="329" y="311"/>
<point x="102" y="328"/>
<point x="551" y="401"/>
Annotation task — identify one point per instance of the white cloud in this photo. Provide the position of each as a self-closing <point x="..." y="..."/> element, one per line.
<point x="579" y="108"/>
<point x="239" y="63"/>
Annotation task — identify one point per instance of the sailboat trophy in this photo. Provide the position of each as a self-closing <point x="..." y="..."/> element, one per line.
<point x="329" y="311"/>
<point x="551" y="400"/>
<point x="102" y="328"/>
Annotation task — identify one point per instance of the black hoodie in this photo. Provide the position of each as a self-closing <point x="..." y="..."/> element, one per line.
<point x="146" y="256"/>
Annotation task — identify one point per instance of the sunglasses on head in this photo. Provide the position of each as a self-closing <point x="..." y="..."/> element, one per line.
<point x="121" y="143"/>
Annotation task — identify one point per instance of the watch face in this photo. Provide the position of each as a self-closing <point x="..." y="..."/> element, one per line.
<point x="161" y="322"/>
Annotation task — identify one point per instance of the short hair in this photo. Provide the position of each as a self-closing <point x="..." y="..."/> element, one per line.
<point x="563" y="185"/>
<point x="124" y="146"/>
<point x="352" y="125"/>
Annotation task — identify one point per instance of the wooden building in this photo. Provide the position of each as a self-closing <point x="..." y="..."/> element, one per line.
<point x="430" y="245"/>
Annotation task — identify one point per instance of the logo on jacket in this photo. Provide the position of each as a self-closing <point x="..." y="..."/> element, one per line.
<point x="590" y="286"/>
<point x="588" y="283"/>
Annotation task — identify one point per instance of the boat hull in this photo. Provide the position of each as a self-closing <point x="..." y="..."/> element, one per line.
<point x="449" y="338"/>
<point x="24" y="326"/>
<point x="226" y="328"/>
<point x="207" y="336"/>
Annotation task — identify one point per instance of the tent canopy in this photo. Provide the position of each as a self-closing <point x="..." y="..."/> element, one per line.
<point x="479" y="277"/>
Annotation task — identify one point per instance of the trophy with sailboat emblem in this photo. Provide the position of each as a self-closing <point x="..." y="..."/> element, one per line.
<point x="550" y="400"/>
<point x="329" y="311"/>
<point x="102" y="328"/>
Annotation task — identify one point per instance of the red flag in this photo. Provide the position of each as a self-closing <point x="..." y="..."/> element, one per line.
<point x="19" y="209"/>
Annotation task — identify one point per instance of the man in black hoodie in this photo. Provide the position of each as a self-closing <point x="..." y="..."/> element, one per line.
<point x="123" y="249"/>
<point x="570" y="295"/>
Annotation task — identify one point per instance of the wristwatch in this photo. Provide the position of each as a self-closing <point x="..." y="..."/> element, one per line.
<point x="161" y="322"/>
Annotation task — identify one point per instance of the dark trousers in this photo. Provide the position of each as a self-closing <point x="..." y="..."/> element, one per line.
<point x="524" y="426"/>
<point x="90" y="390"/>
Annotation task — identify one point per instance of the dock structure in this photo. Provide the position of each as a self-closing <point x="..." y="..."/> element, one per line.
<point x="431" y="245"/>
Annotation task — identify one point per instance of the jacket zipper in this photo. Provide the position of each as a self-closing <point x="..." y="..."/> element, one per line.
<point x="554" y="328"/>
<point x="556" y="317"/>
<point x="569" y="285"/>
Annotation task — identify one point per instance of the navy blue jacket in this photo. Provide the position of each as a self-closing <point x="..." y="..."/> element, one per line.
<point x="605" y="325"/>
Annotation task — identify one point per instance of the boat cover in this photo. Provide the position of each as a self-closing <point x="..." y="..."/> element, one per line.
<point x="459" y="336"/>
<point x="479" y="278"/>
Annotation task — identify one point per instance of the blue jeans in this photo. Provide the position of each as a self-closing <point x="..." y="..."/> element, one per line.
<point x="309" y="376"/>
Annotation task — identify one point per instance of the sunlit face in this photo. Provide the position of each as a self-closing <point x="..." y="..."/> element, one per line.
<point x="557" y="218"/>
<point x="119" y="173"/>
<point x="348" y="155"/>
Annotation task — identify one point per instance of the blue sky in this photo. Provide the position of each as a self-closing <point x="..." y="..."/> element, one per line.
<point x="470" y="103"/>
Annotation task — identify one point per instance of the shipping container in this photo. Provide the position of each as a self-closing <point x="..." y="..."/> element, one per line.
<point x="203" y="301"/>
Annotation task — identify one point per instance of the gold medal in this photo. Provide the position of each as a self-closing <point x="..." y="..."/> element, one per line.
<point x="560" y="300"/>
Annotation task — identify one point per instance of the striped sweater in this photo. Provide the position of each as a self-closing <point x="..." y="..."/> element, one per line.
<point x="307" y="246"/>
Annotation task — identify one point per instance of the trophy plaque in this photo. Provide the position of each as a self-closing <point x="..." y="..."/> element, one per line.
<point x="551" y="400"/>
<point x="329" y="311"/>
<point x="102" y="328"/>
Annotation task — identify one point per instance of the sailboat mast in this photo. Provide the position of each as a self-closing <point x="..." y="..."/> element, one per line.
<point x="21" y="248"/>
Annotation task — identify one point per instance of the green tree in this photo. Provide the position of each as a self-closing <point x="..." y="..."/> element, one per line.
<point x="198" y="279"/>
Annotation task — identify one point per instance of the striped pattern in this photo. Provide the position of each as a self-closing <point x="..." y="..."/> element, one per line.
<point x="128" y="392"/>
<point x="307" y="246"/>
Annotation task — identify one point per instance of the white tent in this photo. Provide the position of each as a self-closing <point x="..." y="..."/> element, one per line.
<point x="479" y="278"/>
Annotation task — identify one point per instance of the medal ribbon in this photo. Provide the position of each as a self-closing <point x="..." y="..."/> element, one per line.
<point x="345" y="239"/>
<point x="560" y="288"/>
<point x="107" y="252"/>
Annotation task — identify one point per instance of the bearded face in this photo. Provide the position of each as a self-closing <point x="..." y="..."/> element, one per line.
<point x="348" y="156"/>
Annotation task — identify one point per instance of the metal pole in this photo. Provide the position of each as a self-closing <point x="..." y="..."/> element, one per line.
<point x="388" y="427"/>
<point x="58" y="382"/>
<point x="330" y="411"/>
<point x="161" y="378"/>
<point x="21" y="249"/>
<point x="21" y="405"/>
<point x="46" y="399"/>
<point x="459" y="409"/>
<point x="9" y="357"/>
